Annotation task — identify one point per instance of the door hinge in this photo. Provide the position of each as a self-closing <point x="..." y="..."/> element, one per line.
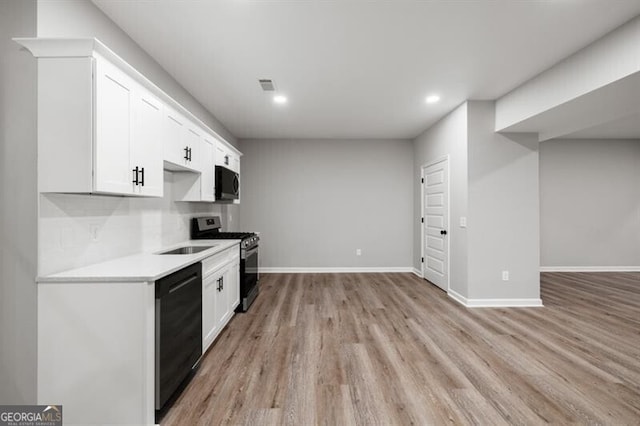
<point x="422" y="259"/>
<point x="422" y="220"/>
<point x="422" y="180"/>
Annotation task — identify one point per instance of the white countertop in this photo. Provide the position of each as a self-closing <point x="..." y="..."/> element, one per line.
<point x="140" y="267"/>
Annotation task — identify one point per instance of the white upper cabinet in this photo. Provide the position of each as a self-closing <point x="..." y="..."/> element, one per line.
<point x="208" y="184"/>
<point x="194" y="144"/>
<point x="114" y="104"/>
<point x="104" y="128"/>
<point x="197" y="186"/>
<point x="181" y="142"/>
<point x="98" y="130"/>
<point x="227" y="157"/>
<point x="146" y="152"/>
<point x="128" y="157"/>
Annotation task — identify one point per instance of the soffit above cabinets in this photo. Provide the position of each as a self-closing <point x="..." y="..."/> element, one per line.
<point x="624" y="128"/>
<point x="593" y="93"/>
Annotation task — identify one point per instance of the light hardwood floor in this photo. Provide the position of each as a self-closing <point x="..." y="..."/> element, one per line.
<point x="367" y="349"/>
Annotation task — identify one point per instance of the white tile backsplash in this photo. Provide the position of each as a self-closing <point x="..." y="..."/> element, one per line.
<point x="77" y="229"/>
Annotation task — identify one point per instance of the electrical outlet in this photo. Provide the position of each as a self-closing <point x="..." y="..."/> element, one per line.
<point x="463" y="222"/>
<point x="358" y="252"/>
<point x="505" y="275"/>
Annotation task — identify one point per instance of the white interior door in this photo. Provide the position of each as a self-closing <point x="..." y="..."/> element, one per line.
<point x="435" y="215"/>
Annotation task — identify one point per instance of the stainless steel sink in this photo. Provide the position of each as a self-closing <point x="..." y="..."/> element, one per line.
<point x="187" y="250"/>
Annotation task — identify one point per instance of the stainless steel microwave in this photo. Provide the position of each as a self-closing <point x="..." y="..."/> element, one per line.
<point x="227" y="184"/>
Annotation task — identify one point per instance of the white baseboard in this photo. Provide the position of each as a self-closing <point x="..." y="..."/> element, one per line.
<point x="417" y="272"/>
<point x="337" y="270"/>
<point x="457" y="297"/>
<point x="590" y="269"/>
<point x="494" y="303"/>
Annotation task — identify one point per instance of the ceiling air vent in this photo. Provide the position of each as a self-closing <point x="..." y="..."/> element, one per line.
<point x="267" y="85"/>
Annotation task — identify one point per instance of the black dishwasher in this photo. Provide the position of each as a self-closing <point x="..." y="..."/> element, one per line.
<point x="178" y="329"/>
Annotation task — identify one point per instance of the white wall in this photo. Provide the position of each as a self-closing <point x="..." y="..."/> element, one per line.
<point x="494" y="185"/>
<point x="316" y="201"/>
<point x="503" y="222"/>
<point x="77" y="230"/>
<point x="18" y="205"/>
<point x="447" y="137"/>
<point x="590" y="203"/>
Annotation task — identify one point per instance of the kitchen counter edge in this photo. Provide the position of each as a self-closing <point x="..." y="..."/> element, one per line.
<point x="139" y="267"/>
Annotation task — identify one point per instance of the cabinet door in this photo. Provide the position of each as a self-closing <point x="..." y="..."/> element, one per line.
<point x="234" y="285"/>
<point x="207" y="178"/>
<point x="193" y="142"/>
<point x="175" y="134"/>
<point x="227" y="158"/>
<point x="146" y="148"/>
<point x="114" y="102"/>
<point x="235" y="163"/>
<point x="222" y="306"/>
<point x="209" y="319"/>
<point x="222" y="156"/>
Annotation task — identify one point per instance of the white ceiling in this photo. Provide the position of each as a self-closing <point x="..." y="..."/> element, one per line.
<point x="357" y="69"/>
<point x="623" y="128"/>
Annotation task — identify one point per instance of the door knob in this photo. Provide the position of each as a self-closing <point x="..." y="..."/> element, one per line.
<point x="443" y="232"/>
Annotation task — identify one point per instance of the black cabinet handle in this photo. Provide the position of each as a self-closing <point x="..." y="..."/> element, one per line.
<point x="219" y="288"/>
<point x="135" y="176"/>
<point x="226" y="160"/>
<point x="141" y="176"/>
<point x="189" y="154"/>
<point x="443" y="232"/>
<point x="186" y="153"/>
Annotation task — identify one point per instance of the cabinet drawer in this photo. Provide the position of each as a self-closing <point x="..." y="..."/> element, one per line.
<point x="215" y="262"/>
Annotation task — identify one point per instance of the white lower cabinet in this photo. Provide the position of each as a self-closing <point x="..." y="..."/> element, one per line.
<point x="234" y="284"/>
<point x="96" y="351"/>
<point x="220" y="293"/>
<point x="96" y="341"/>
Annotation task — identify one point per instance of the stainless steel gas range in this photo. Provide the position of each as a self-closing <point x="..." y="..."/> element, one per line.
<point x="208" y="228"/>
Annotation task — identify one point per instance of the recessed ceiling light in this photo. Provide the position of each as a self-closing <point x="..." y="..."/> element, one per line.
<point x="280" y="99"/>
<point x="432" y="99"/>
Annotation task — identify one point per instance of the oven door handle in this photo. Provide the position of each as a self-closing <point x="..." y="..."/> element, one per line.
<point x="250" y="252"/>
